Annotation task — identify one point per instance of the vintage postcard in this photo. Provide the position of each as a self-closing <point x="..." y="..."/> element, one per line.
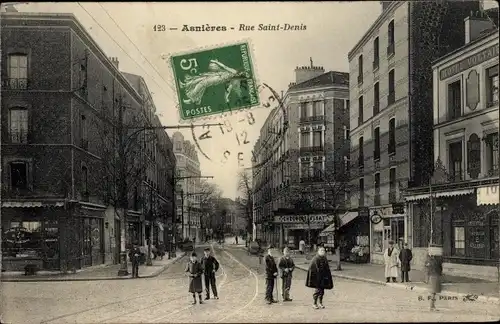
<point x="249" y="162"/>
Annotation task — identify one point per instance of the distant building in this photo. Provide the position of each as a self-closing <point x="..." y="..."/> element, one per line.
<point x="312" y="154"/>
<point x="465" y="189"/>
<point x="391" y="116"/>
<point x="188" y="188"/>
<point x="61" y="96"/>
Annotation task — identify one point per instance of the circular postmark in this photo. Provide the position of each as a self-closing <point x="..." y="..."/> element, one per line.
<point x="229" y="139"/>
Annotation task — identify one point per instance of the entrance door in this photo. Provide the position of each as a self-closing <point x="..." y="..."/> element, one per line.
<point x="87" y="242"/>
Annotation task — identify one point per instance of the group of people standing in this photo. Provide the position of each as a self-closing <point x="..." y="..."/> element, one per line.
<point x="206" y="267"/>
<point x="319" y="276"/>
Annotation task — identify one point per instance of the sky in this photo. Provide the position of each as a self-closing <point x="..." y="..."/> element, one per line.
<point x="126" y="31"/>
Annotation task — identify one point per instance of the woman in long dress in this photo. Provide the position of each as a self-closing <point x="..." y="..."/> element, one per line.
<point x="195" y="86"/>
<point x="195" y="269"/>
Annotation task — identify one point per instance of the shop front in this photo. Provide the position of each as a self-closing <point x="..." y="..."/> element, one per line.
<point x="92" y="227"/>
<point x="294" y="228"/>
<point x="385" y="227"/>
<point x="30" y="235"/>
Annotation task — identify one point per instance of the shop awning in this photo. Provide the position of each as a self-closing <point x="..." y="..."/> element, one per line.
<point x="347" y="217"/>
<point x="488" y="195"/>
<point x="452" y="193"/>
<point x="30" y="204"/>
<point x="328" y="230"/>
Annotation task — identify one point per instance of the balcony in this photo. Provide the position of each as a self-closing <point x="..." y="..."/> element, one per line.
<point x="390" y="49"/>
<point x="312" y="119"/>
<point x="360" y="79"/>
<point x="311" y="149"/>
<point x="391" y="98"/>
<point x="15" y="84"/>
<point x="375" y="64"/>
<point x="392" y="196"/>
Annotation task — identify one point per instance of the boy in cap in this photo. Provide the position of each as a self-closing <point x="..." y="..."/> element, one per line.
<point x="210" y="267"/>
<point x="271" y="274"/>
<point x="286" y="266"/>
<point x="195" y="270"/>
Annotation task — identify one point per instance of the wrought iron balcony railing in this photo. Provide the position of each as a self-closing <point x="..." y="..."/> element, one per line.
<point x="15" y="84"/>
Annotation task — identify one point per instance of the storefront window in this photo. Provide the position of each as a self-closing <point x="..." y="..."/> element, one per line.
<point x="459" y="241"/>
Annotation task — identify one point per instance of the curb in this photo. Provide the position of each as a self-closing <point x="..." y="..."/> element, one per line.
<point x="480" y="298"/>
<point x="154" y="274"/>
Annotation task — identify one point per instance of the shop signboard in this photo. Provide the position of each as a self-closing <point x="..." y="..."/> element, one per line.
<point x="301" y="219"/>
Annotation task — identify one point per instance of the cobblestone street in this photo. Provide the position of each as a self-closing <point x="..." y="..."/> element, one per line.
<point x="241" y="289"/>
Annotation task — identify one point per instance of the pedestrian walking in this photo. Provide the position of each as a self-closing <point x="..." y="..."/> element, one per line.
<point x="236" y="239"/>
<point x="286" y="266"/>
<point x="319" y="277"/>
<point x="134" y="256"/>
<point x="391" y="259"/>
<point x="434" y="266"/>
<point x="271" y="275"/>
<point x="405" y="257"/>
<point x="195" y="270"/>
<point x="210" y="267"/>
<point x="302" y="246"/>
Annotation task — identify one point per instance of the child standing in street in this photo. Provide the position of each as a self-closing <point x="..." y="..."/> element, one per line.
<point x="434" y="265"/>
<point x="271" y="274"/>
<point x="195" y="269"/>
<point x="286" y="266"/>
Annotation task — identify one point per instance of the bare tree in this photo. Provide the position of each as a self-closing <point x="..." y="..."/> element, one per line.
<point x="210" y="195"/>
<point x="125" y="159"/>
<point x="245" y="187"/>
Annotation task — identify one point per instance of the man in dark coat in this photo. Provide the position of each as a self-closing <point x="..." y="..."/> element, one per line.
<point x="210" y="267"/>
<point x="195" y="269"/>
<point x="319" y="277"/>
<point x="271" y="274"/>
<point x="286" y="266"/>
<point x="405" y="257"/>
<point x="134" y="256"/>
<point x="434" y="267"/>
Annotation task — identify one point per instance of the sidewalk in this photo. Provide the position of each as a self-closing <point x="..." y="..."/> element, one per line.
<point x="486" y="291"/>
<point x="101" y="272"/>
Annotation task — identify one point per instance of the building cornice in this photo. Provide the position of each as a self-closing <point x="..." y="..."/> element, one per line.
<point x="19" y="19"/>
<point x="374" y="27"/>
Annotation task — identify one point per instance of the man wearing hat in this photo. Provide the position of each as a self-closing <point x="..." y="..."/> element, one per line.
<point x="391" y="260"/>
<point x="271" y="275"/>
<point x="195" y="269"/>
<point x="210" y="267"/>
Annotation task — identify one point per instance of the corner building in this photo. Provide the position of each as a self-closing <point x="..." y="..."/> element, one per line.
<point x="391" y="109"/>
<point x="286" y="168"/>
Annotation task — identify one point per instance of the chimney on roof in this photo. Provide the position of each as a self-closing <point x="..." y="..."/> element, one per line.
<point x="475" y="24"/>
<point x="115" y="61"/>
<point x="304" y="73"/>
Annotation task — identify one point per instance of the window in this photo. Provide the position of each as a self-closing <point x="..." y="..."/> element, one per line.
<point x="19" y="175"/>
<point x="459" y="241"/>
<point x="18" y="71"/>
<point x="346" y="133"/>
<point x="85" y="184"/>
<point x="84" y="132"/>
<point x="376" y="99"/>
<point x="360" y="69"/>
<point x="317" y="111"/>
<point x="318" y="169"/>
<point x="360" y="110"/>
<point x="375" y="53"/>
<point x="392" y="185"/>
<point x="317" y="139"/>
<point x="377" y="188"/>
<point x="304" y="170"/>
<point x="303" y="110"/>
<point x="392" y="95"/>
<point x="492" y="154"/>
<point x="178" y="146"/>
<point x="305" y="139"/>
<point x="454" y="100"/>
<point x="361" y="158"/>
<point x="455" y="161"/>
<point x="347" y="107"/>
<point x="492" y="84"/>
<point x="390" y="36"/>
<point x="361" y="192"/>
<point x="18" y="127"/>
<point x="392" y="136"/>
<point x="376" y="140"/>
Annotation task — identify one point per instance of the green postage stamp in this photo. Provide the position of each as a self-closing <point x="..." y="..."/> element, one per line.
<point x="214" y="81"/>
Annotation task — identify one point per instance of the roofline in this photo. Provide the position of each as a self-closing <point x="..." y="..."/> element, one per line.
<point x="289" y="92"/>
<point x="381" y="18"/>
<point x="493" y="35"/>
<point x="70" y="18"/>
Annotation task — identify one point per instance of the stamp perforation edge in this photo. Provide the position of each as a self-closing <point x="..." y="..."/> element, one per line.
<point x="218" y="116"/>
